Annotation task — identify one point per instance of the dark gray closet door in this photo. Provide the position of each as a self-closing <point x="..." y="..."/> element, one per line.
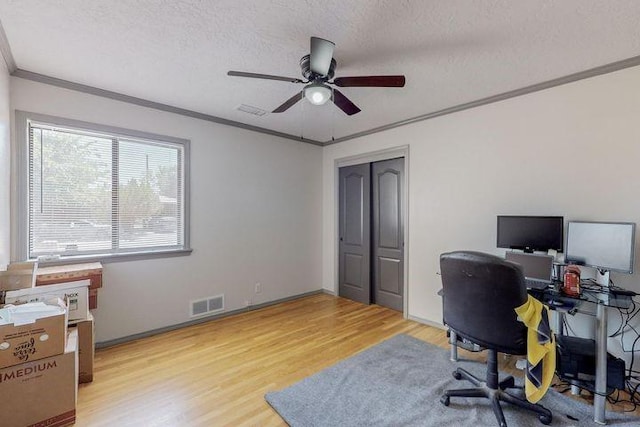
<point x="354" y="233"/>
<point x="388" y="233"/>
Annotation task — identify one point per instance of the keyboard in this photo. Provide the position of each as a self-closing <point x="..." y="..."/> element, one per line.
<point x="536" y="283"/>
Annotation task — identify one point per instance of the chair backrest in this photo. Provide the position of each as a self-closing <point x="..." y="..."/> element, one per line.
<point x="480" y="292"/>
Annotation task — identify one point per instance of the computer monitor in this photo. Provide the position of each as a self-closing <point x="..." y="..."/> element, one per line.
<point x="530" y="233"/>
<point x="606" y="246"/>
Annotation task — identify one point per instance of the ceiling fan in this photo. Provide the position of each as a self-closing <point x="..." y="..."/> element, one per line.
<point x="318" y="68"/>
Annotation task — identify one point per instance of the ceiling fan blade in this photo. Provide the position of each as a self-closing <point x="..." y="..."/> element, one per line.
<point x="289" y="102"/>
<point x="320" y="55"/>
<point x="264" y="76"/>
<point x="370" y="81"/>
<point x="344" y="103"/>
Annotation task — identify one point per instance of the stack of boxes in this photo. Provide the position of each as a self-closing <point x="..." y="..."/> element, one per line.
<point x="42" y="362"/>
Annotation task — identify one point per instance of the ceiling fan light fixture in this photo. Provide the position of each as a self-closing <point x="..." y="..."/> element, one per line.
<point x="317" y="93"/>
<point x="318" y="68"/>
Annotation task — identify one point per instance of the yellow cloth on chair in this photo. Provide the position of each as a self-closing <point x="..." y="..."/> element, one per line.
<point x="541" y="348"/>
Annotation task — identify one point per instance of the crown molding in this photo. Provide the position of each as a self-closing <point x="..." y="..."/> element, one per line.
<point x="5" y="50"/>
<point x="603" y="69"/>
<point x="66" y="84"/>
<point x="41" y="78"/>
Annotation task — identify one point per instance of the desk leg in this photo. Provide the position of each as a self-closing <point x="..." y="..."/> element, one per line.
<point x="453" y="340"/>
<point x="600" y="399"/>
<point x="559" y="320"/>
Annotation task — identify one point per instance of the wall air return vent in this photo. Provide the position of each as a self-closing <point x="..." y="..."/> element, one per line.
<point x="208" y="305"/>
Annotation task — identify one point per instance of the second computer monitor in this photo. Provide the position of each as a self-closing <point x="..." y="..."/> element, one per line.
<point x="607" y="246"/>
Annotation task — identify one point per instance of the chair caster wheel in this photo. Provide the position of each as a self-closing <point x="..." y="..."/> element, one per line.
<point x="444" y="400"/>
<point x="457" y="375"/>
<point x="545" y="419"/>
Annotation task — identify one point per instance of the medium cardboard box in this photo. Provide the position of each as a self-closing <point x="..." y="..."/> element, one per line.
<point x="77" y="294"/>
<point x="43" y="392"/>
<point x="86" y="349"/>
<point x="25" y="343"/>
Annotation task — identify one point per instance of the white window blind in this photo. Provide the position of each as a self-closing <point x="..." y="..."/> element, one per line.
<point x="96" y="193"/>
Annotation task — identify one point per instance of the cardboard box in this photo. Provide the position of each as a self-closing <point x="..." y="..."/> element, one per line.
<point x="25" y="265"/>
<point x="19" y="275"/>
<point x="86" y="349"/>
<point x="71" y="273"/>
<point x="77" y="294"/>
<point x="25" y="343"/>
<point x="11" y="280"/>
<point x="43" y="392"/>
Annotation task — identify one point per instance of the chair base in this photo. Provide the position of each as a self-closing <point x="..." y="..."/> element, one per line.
<point x="495" y="395"/>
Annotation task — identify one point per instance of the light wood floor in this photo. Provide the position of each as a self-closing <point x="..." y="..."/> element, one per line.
<point x="217" y="373"/>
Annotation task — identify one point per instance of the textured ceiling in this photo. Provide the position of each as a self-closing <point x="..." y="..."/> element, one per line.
<point x="177" y="52"/>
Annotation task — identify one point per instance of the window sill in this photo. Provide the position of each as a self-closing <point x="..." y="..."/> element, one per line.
<point x="121" y="257"/>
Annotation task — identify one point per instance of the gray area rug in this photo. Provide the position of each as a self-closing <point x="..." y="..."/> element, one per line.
<point x="399" y="383"/>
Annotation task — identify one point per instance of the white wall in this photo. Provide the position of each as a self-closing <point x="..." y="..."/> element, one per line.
<point x="572" y="150"/>
<point x="258" y="201"/>
<point x="256" y="216"/>
<point x="5" y="165"/>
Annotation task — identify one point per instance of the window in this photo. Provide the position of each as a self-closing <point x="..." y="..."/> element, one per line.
<point x="96" y="191"/>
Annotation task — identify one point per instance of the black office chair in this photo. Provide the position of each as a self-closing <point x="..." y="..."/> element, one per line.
<point x="480" y="292"/>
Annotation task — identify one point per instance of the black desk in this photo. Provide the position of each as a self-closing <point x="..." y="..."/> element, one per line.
<point x="593" y="301"/>
<point x="591" y="297"/>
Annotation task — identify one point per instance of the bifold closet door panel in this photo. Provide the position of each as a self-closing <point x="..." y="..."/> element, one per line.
<point x="388" y="233"/>
<point x="355" y="233"/>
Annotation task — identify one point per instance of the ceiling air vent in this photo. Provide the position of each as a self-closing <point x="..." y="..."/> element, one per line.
<point x="208" y="305"/>
<point x="251" y="110"/>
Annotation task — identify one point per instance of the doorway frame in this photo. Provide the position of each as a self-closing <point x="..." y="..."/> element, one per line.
<point x="370" y="157"/>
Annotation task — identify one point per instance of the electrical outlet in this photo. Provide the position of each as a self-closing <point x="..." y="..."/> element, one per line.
<point x="258" y="288"/>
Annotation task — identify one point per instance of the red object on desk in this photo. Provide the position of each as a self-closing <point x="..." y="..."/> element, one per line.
<point x="571" y="281"/>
